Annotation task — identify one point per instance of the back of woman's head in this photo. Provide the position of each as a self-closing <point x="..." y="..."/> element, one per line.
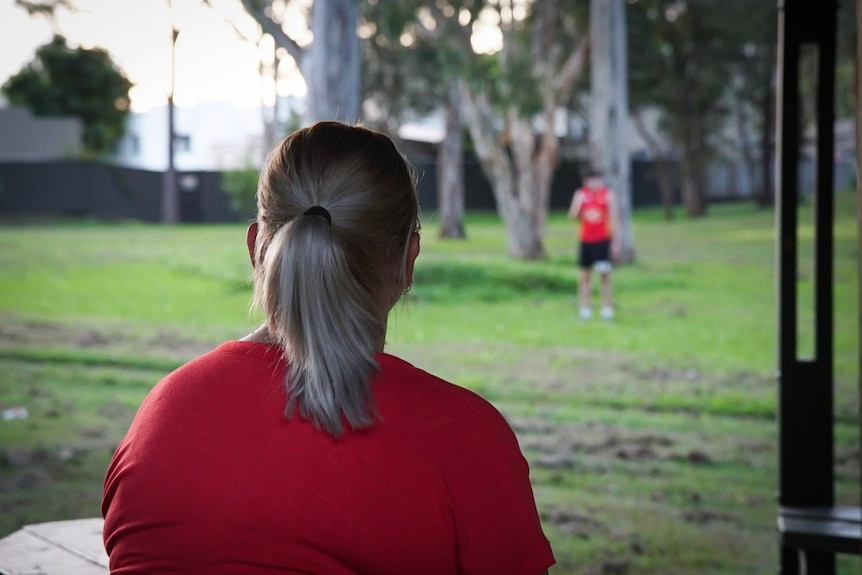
<point x="326" y="279"/>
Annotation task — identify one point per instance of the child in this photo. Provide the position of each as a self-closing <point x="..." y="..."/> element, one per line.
<point x="593" y="205"/>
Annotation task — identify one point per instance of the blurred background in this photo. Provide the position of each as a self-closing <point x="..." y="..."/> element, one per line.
<point x="132" y="133"/>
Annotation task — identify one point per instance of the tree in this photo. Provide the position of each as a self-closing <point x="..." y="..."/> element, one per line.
<point x="406" y="75"/>
<point x="609" y="112"/>
<point x="846" y="45"/>
<point x="330" y="65"/>
<point x="510" y="102"/>
<point x="687" y="59"/>
<point x="46" y="8"/>
<point x="672" y="67"/>
<point x="752" y="90"/>
<point x="450" y="167"/>
<point x="80" y="82"/>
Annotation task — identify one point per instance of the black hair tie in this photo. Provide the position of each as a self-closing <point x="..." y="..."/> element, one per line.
<point x="318" y="211"/>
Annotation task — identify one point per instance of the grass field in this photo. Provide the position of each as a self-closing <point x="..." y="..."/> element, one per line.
<point x="652" y="438"/>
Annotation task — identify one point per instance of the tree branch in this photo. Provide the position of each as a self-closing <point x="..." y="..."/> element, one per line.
<point x="573" y="67"/>
<point x="233" y="25"/>
<point x="45" y="7"/>
<point x="462" y="32"/>
<point x="257" y="11"/>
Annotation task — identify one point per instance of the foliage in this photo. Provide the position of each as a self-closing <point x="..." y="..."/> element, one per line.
<point x="847" y="38"/>
<point x="684" y="58"/>
<point x="81" y="82"/>
<point x="46" y="8"/>
<point x="402" y="78"/>
<point x="510" y="99"/>
<point x="408" y="73"/>
<point x="241" y="186"/>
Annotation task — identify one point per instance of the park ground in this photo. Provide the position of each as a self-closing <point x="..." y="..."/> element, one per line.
<point x="651" y="439"/>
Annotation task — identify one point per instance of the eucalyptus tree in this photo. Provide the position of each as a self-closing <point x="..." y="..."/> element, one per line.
<point x="511" y="99"/>
<point x="673" y="67"/>
<point x="330" y="63"/>
<point x="408" y="74"/>
<point x="609" y="113"/>
<point x="752" y="90"/>
<point x="698" y="62"/>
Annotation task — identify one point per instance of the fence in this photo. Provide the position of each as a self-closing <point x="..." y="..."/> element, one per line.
<point x="104" y="191"/>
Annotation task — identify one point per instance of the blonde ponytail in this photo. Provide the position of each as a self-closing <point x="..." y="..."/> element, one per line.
<point x="336" y="207"/>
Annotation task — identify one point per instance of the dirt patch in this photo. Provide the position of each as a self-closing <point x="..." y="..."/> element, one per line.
<point x="115" y="411"/>
<point x="705" y="516"/>
<point x="562" y="446"/>
<point x="574" y="524"/>
<point x="111" y="339"/>
<point x="847" y="463"/>
<point x="29" y="478"/>
<point x="663" y="374"/>
<point x="555" y="370"/>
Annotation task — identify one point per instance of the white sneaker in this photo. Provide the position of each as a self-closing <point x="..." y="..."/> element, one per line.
<point x="585" y="313"/>
<point x="607" y="312"/>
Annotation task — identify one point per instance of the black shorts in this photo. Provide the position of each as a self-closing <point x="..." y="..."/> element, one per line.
<point x="593" y="253"/>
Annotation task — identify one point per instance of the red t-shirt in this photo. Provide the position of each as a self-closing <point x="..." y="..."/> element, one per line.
<point x="595" y="215"/>
<point x="212" y="478"/>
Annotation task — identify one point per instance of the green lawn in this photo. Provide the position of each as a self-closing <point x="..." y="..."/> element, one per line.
<point x="651" y="438"/>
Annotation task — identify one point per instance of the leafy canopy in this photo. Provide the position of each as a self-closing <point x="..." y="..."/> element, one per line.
<point x="81" y="82"/>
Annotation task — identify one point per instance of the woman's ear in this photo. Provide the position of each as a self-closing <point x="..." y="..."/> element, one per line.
<point x="412" y="253"/>
<point x="250" y="241"/>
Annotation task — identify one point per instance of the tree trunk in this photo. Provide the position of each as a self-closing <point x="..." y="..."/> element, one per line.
<point x="693" y="183"/>
<point x="743" y="122"/>
<point x="766" y="198"/>
<point x="269" y="112"/>
<point x="517" y="185"/>
<point x="609" y="113"/>
<point x="701" y="162"/>
<point x="665" y="180"/>
<point x="330" y="66"/>
<point x="519" y="161"/>
<point x="535" y="160"/>
<point x="450" y="169"/>
<point x="332" y="72"/>
<point x="689" y="132"/>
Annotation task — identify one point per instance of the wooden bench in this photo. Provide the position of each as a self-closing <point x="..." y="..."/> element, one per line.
<point x="830" y="529"/>
<point x="56" y="548"/>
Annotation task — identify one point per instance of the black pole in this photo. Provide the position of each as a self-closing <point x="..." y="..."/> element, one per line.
<point x="805" y="406"/>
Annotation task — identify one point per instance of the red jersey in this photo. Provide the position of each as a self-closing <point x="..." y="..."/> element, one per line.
<point x="213" y="479"/>
<point x="595" y="215"/>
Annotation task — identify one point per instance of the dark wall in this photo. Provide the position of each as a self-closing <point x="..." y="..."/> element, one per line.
<point x="645" y="190"/>
<point x="100" y="190"/>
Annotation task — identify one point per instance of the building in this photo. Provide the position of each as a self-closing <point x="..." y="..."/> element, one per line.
<point x="212" y="136"/>
<point x="27" y="138"/>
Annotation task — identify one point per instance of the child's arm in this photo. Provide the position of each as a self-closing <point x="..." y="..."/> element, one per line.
<point x="616" y="226"/>
<point x="575" y="207"/>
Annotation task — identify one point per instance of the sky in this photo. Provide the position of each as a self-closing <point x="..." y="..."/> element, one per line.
<point x="212" y="62"/>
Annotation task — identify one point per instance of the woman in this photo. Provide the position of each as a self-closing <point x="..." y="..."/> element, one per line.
<point x="304" y="448"/>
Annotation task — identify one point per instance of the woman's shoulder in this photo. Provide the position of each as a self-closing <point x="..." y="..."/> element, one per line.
<point x="397" y="371"/>
<point x="219" y="368"/>
<point x="231" y="354"/>
<point x="416" y="389"/>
